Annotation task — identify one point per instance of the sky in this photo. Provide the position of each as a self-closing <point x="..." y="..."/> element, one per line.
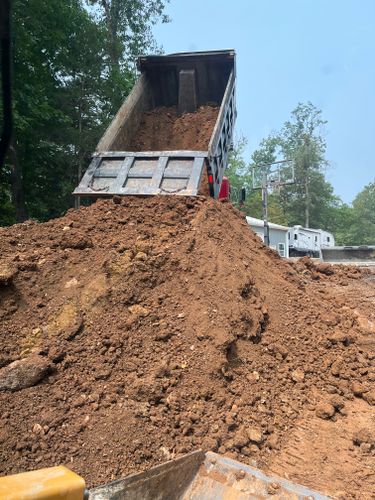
<point x="291" y="51"/>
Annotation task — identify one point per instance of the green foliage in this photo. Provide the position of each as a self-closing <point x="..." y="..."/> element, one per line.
<point x="70" y="76"/>
<point x="240" y="175"/>
<point x="340" y="220"/>
<point x="128" y="33"/>
<point x="362" y="229"/>
<point x="311" y="198"/>
<point x="237" y="170"/>
<point x="57" y="95"/>
<point x="301" y="140"/>
<point x="7" y="213"/>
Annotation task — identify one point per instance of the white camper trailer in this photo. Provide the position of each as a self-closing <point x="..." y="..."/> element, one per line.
<point x="278" y="235"/>
<point x="308" y="241"/>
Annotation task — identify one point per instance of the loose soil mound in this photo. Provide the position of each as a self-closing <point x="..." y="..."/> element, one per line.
<point x="162" y="325"/>
<point x="163" y="129"/>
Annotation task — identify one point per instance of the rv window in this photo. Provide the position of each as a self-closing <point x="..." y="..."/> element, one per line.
<point x="281" y="249"/>
<point x="328" y="239"/>
<point x="316" y="238"/>
<point x="295" y="236"/>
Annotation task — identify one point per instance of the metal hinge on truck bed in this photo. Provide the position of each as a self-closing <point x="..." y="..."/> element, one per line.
<point x="147" y="173"/>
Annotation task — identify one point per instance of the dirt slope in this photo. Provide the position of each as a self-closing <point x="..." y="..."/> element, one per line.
<point x="156" y="326"/>
<point x="163" y="129"/>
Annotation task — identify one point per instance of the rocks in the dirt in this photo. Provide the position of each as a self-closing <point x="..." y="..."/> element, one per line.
<point x="273" y="441"/>
<point x="337" y="402"/>
<point x="140" y="256"/>
<point x="138" y="310"/>
<point x="365" y="324"/>
<point x="24" y="373"/>
<point x="37" y="429"/>
<point x="240" y="439"/>
<point x="298" y="375"/>
<point x="75" y="239"/>
<point x="103" y="374"/>
<point x="369" y="397"/>
<point x="357" y="388"/>
<point x="364" y="436"/>
<point x="253" y="376"/>
<point x="337" y="336"/>
<point x="325" y="410"/>
<point x="210" y="444"/>
<point x="241" y="474"/>
<point x="255" y="435"/>
<point x="326" y="269"/>
<point x="336" y="367"/>
<point x="7" y="273"/>
<point x="117" y="200"/>
<point x="71" y="283"/>
<point x="67" y="323"/>
<point x="278" y="350"/>
<point x="57" y="353"/>
<point x="112" y="370"/>
<point x="164" y="336"/>
<point x="273" y="488"/>
<point x="340" y="337"/>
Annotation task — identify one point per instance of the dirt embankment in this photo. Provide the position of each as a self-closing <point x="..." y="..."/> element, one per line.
<point x="136" y="331"/>
<point x="163" y="129"/>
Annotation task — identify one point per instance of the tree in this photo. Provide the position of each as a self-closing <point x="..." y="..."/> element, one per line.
<point x="362" y="229"/>
<point x="57" y="57"/>
<point x="301" y="140"/>
<point x="128" y="27"/>
<point x="65" y="92"/>
<point x="310" y="201"/>
<point x="240" y="175"/>
<point x="237" y="170"/>
<point x="340" y="220"/>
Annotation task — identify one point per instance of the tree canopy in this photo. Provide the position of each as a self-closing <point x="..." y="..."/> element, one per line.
<point x="310" y="201"/>
<point x="73" y="66"/>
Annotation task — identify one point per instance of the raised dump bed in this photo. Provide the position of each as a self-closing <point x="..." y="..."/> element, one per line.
<point x="173" y="85"/>
<point x="203" y="476"/>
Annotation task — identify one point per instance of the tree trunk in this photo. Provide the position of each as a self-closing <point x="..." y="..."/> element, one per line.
<point x="307" y="164"/>
<point x="18" y="194"/>
<point x="307" y="202"/>
<point x="77" y="199"/>
<point x="111" y="12"/>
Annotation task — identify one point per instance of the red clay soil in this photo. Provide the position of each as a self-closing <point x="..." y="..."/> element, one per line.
<point x="163" y="129"/>
<point x="147" y="328"/>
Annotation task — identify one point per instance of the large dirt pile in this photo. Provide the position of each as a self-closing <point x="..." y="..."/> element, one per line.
<point x="136" y="330"/>
<point x="163" y="129"/>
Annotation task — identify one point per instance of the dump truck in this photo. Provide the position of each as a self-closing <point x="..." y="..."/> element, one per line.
<point x="183" y="80"/>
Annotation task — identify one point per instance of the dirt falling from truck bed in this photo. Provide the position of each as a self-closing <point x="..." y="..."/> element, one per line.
<point x="163" y="129"/>
<point x="152" y="327"/>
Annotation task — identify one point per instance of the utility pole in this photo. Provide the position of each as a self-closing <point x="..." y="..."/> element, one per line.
<point x="265" y="207"/>
<point x="271" y="176"/>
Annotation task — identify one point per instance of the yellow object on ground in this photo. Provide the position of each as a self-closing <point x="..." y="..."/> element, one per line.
<point x="53" y="483"/>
